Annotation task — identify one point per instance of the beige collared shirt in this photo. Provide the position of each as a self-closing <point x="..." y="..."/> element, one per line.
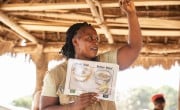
<point x="54" y="83"/>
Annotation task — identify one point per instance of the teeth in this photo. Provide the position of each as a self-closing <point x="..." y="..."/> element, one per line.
<point x="94" y="48"/>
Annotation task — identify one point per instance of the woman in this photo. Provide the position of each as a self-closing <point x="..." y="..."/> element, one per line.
<point x="82" y="43"/>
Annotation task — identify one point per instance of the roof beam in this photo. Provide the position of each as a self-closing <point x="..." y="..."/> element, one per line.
<point x="150" y="22"/>
<point x="77" y="5"/>
<point x="159" y="49"/>
<point x="119" y="31"/>
<point x="145" y="22"/>
<point x="4" y="19"/>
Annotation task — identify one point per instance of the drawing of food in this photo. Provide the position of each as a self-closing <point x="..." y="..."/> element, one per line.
<point x="103" y="88"/>
<point x="81" y="73"/>
<point x="102" y="78"/>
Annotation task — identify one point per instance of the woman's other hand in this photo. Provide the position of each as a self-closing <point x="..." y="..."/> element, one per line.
<point x="84" y="100"/>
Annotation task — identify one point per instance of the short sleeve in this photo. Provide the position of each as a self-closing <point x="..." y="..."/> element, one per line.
<point x="109" y="57"/>
<point x="49" y="87"/>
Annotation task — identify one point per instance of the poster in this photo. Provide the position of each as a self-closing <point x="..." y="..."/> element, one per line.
<point x="90" y="76"/>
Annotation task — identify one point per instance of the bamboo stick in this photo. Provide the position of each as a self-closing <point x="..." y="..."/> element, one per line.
<point x="119" y="31"/>
<point x="73" y="16"/>
<point x="158" y="49"/>
<point x="156" y="22"/>
<point x="163" y="14"/>
<point x="77" y="5"/>
<point x="11" y="31"/>
<point x="144" y="22"/>
<point x="4" y="19"/>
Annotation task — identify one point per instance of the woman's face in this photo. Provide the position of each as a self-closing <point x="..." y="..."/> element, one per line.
<point x="159" y="106"/>
<point x="86" y="43"/>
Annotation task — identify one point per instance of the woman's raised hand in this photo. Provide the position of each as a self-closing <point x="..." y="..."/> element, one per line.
<point x="127" y="6"/>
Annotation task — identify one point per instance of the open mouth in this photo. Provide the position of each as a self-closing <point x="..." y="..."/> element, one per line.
<point x="94" y="48"/>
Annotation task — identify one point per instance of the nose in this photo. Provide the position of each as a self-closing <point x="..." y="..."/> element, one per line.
<point x="95" y="39"/>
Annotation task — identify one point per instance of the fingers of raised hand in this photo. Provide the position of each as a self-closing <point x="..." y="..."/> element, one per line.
<point x="124" y="2"/>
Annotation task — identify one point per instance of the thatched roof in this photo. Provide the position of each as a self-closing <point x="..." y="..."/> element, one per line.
<point x="42" y="24"/>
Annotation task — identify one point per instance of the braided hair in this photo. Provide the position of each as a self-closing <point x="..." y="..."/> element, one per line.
<point x="68" y="48"/>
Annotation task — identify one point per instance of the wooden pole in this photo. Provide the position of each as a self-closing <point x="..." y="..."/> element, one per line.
<point x="150" y="48"/>
<point x="119" y="31"/>
<point x="145" y="22"/>
<point x="77" y="5"/>
<point x="41" y="67"/>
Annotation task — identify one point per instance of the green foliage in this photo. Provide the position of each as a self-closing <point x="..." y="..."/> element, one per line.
<point x="140" y="98"/>
<point x="25" y="102"/>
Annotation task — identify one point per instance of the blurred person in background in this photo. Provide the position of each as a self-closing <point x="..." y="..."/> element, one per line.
<point x="158" y="101"/>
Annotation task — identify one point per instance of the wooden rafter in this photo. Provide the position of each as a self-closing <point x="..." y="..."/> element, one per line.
<point x="73" y="16"/>
<point x="151" y="22"/>
<point x="11" y="31"/>
<point x="154" y="23"/>
<point x="144" y="21"/>
<point x="119" y="31"/>
<point x="4" y="19"/>
<point x="77" y="5"/>
<point x="55" y="47"/>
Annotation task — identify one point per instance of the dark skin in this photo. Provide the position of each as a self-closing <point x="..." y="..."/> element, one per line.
<point x="86" y="47"/>
<point x="159" y="106"/>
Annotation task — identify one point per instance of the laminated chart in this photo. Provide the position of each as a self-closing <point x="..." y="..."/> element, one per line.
<point x="91" y="76"/>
